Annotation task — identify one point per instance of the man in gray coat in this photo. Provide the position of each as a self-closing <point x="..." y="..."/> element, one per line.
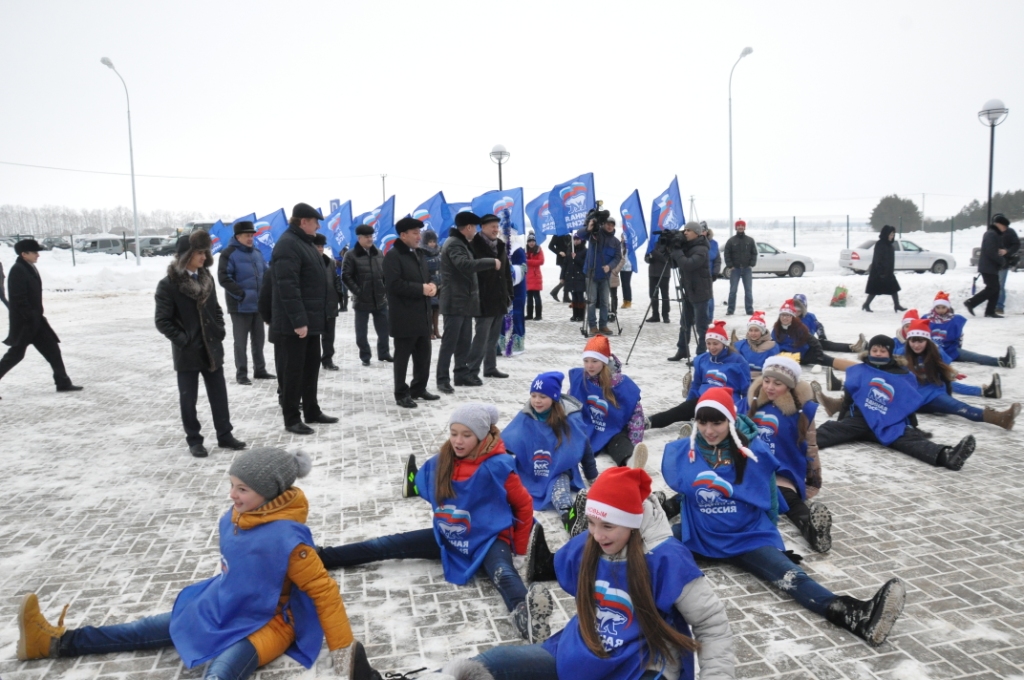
<point x="460" y="301"/>
<point x="695" y="276"/>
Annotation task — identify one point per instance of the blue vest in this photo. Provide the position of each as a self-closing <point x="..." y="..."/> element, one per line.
<point x="728" y="369"/>
<point x="466" y="526"/>
<point x="788" y="344"/>
<point x="901" y="350"/>
<point x="720" y="518"/>
<point x="539" y="458"/>
<point x="755" y="360"/>
<point x="811" y="321"/>
<point x="885" y="400"/>
<point x="210" y="616"/>
<point x="948" y="335"/>
<point x="603" y="421"/>
<point x="780" y="434"/>
<point x="671" y="567"/>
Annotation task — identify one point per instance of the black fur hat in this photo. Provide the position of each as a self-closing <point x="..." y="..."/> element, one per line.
<point x="464" y="219"/>
<point x="407" y="224"/>
<point x="28" y="245"/>
<point x="305" y="210"/>
<point x="197" y="240"/>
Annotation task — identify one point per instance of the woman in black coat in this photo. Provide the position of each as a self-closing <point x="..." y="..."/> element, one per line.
<point x="882" y="274"/>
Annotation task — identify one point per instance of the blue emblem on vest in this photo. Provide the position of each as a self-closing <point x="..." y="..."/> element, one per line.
<point x="603" y="420"/>
<point x="539" y="458"/>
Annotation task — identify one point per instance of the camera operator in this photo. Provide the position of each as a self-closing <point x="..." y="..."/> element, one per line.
<point x="689" y="251"/>
<point x="603" y="254"/>
<point x="659" y="273"/>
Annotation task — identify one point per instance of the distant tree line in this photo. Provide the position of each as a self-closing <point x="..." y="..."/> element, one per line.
<point x="891" y="208"/>
<point x="52" y="220"/>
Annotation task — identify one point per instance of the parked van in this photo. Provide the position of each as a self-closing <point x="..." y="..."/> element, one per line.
<point x="112" y="246"/>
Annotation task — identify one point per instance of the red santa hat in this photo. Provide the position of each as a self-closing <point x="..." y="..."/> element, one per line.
<point x="757" y="319"/>
<point x="910" y="315"/>
<point x="598" y="348"/>
<point x="617" y="496"/>
<point x="720" y="399"/>
<point x="789" y="307"/>
<point x="716" y="331"/>
<point x="941" y="299"/>
<point x="919" y="329"/>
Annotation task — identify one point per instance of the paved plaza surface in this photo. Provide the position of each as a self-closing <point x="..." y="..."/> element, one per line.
<point x="106" y="510"/>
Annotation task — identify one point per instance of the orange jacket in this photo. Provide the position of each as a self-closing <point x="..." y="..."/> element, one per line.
<point x="306" y="572"/>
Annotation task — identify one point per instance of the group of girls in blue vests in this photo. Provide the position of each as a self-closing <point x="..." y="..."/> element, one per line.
<point x="947" y="330"/>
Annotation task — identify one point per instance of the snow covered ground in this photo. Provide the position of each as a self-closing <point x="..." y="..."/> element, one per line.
<point x="107" y="511"/>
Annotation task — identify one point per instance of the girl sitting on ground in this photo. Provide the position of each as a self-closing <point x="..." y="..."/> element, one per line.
<point x="815" y="328"/>
<point x="947" y="330"/>
<point x="793" y="338"/>
<point x="757" y="345"/>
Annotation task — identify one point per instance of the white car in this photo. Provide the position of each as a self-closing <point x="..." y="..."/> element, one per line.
<point x="771" y="260"/>
<point x="909" y="257"/>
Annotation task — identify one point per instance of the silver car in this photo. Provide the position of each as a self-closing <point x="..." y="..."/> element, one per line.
<point x="909" y="257"/>
<point x="772" y="260"/>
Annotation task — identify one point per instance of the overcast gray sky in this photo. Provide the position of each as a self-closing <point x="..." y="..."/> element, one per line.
<point x="274" y="103"/>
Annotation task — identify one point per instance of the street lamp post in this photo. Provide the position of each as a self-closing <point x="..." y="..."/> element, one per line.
<point x="992" y="114"/>
<point x="499" y="155"/>
<point x="745" y="52"/>
<point x="131" y="156"/>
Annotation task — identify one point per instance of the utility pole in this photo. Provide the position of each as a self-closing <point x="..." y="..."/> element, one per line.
<point x="693" y="210"/>
<point x="383" y="189"/>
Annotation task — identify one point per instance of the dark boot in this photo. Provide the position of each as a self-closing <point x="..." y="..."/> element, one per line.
<point x="832" y="383"/>
<point x="575" y="520"/>
<point x="679" y="355"/>
<point x="994" y="390"/>
<point x="1008" y="361"/>
<point x="896" y="303"/>
<point x="540" y="562"/>
<point x="409" y="489"/>
<point x="869" y="619"/>
<point x="954" y="457"/>
<point x="815" y="524"/>
<point x="671" y="506"/>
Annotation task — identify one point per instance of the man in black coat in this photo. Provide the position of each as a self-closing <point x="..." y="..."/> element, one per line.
<point x="695" y="277"/>
<point x="188" y="314"/>
<point x="740" y="258"/>
<point x="882" y="273"/>
<point x="460" y="301"/>
<point x="409" y="291"/>
<point x="299" y="318"/>
<point x="1011" y="244"/>
<point x="659" y="275"/>
<point x="363" y="272"/>
<point x="332" y="304"/>
<point x="991" y="260"/>
<point x="495" y="299"/>
<point x="28" y="326"/>
<point x="561" y="246"/>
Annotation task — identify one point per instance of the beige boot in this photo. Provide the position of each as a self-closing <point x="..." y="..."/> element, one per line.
<point x="36" y="634"/>
<point x="831" y="404"/>
<point x="1003" y="419"/>
<point x="687" y="379"/>
<point x="859" y="345"/>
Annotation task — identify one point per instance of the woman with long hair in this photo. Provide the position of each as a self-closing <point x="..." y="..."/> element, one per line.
<point x="794" y="338"/>
<point x="757" y="346"/>
<point x="534" y="279"/>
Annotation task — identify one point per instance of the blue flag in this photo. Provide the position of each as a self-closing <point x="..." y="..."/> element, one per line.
<point x="634" y="230"/>
<point x="337" y="227"/>
<point x="666" y="212"/>
<point x="433" y="213"/>
<point x="453" y="210"/>
<point x="268" y="229"/>
<point x="219" y="236"/>
<point x="382" y="219"/>
<point x="540" y="217"/>
<point x="570" y="202"/>
<point x="495" y="202"/>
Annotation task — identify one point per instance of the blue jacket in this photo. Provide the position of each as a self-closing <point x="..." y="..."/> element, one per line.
<point x="240" y="273"/>
<point x="604" y="249"/>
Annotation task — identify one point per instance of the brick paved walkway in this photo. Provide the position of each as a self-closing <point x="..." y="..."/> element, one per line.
<point x="107" y="511"/>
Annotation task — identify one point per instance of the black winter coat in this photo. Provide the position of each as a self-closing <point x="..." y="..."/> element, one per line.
<point x="334" y="289"/>
<point x="363" y="273"/>
<point x="188" y="314"/>
<point x="300" y="284"/>
<point x="740" y="251"/>
<point x="25" y="298"/>
<point x="1011" y="242"/>
<point x="990" y="261"/>
<point x="882" y="274"/>
<point x="405" y="273"/>
<point x="561" y="244"/>
<point x="694" y="269"/>
<point x="659" y="264"/>
<point x="266" y="304"/>
<point x="495" y="284"/>
<point x="460" y="287"/>
<point x="575" y="278"/>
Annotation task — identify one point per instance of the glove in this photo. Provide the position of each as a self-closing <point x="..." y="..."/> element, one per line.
<point x="519" y="561"/>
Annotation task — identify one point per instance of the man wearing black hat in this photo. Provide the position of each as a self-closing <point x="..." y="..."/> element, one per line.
<point x="409" y="290"/>
<point x="495" y="299"/>
<point x="333" y="302"/>
<point x="240" y="272"/>
<point x="990" y="261"/>
<point x="299" y="317"/>
<point x="362" y="270"/>
<point x="460" y="300"/>
<point x="28" y="326"/>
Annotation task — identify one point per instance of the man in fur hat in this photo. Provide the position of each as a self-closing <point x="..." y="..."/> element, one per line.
<point x="187" y="312"/>
<point x="28" y="326"/>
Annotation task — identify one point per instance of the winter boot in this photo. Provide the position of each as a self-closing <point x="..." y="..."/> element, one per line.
<point x="685" y="430"/>
<point x="687" y="380"/>
<point x="1003" y="419"/>
<point x="543" y="560"/>
<point x="538" y="317"/>
<point x="869" y="619"/>
<point x="409" y="489"/>
<point x="647" y="423"/>
<point x="815" y="525"/>
<point x="639" y="458"/>
<point x="1010" y="360"/>
<point x="679" y="355"/>
<point x="593" y="331"/>
<point x="37" y="639"/>
<point x="353" y="660"/>
<point x="833" y="383"/>
<point x="831" y="404"/>
<point x="994" y="390"/>
<point x="575" y="520"/>
<point x="671" y="506"/>
<point x="530" y="618"/>
<point x="654" y="319"/>
<point x="627" y="304"/>
<point x="860" y="345"/>
<point x="954" y="457"/>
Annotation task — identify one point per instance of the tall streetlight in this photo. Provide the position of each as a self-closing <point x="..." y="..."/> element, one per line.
<point x="992" y="114"/>
<point x="499" y="154"/>
<point x="131" y="156"/>
<point x="745" y="52"/>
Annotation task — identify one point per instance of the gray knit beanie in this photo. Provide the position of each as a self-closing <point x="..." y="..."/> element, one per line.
<point x="270" y="471"/>
<point x="477" y="417"/>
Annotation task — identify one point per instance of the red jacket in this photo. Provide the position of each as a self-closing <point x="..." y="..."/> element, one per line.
<point x="519" y="499"/>
<point x="534" y="277"/>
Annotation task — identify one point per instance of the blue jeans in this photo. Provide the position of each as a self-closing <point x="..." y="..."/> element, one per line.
<point x="970" y="357"/>
<point x="237" y="662"/>
<point x="527" y="662"/>
<point x="597" y="296"/>
<point x="695" y="317"/>
<point x="969" y="390"/>
<point x="947" y="404"/>
<point x="747" y="274"/>
<point x="421" y="545"/>
<point x="1002" y="289"/>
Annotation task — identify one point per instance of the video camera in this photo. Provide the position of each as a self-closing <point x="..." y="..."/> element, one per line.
<point x="671" y="239"/>
<point x="599" y="216"/>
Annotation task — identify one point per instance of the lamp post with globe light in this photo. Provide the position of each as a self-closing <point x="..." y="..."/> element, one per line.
<point x="499" y="155"/>
<point x="131" y="157"/>
<point x="745" y="52"/>
<point x="992" y="114"/>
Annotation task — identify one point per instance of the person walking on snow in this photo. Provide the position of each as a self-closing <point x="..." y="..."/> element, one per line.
<point x="882" y="273"/>
<point x="991" y="262"/>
